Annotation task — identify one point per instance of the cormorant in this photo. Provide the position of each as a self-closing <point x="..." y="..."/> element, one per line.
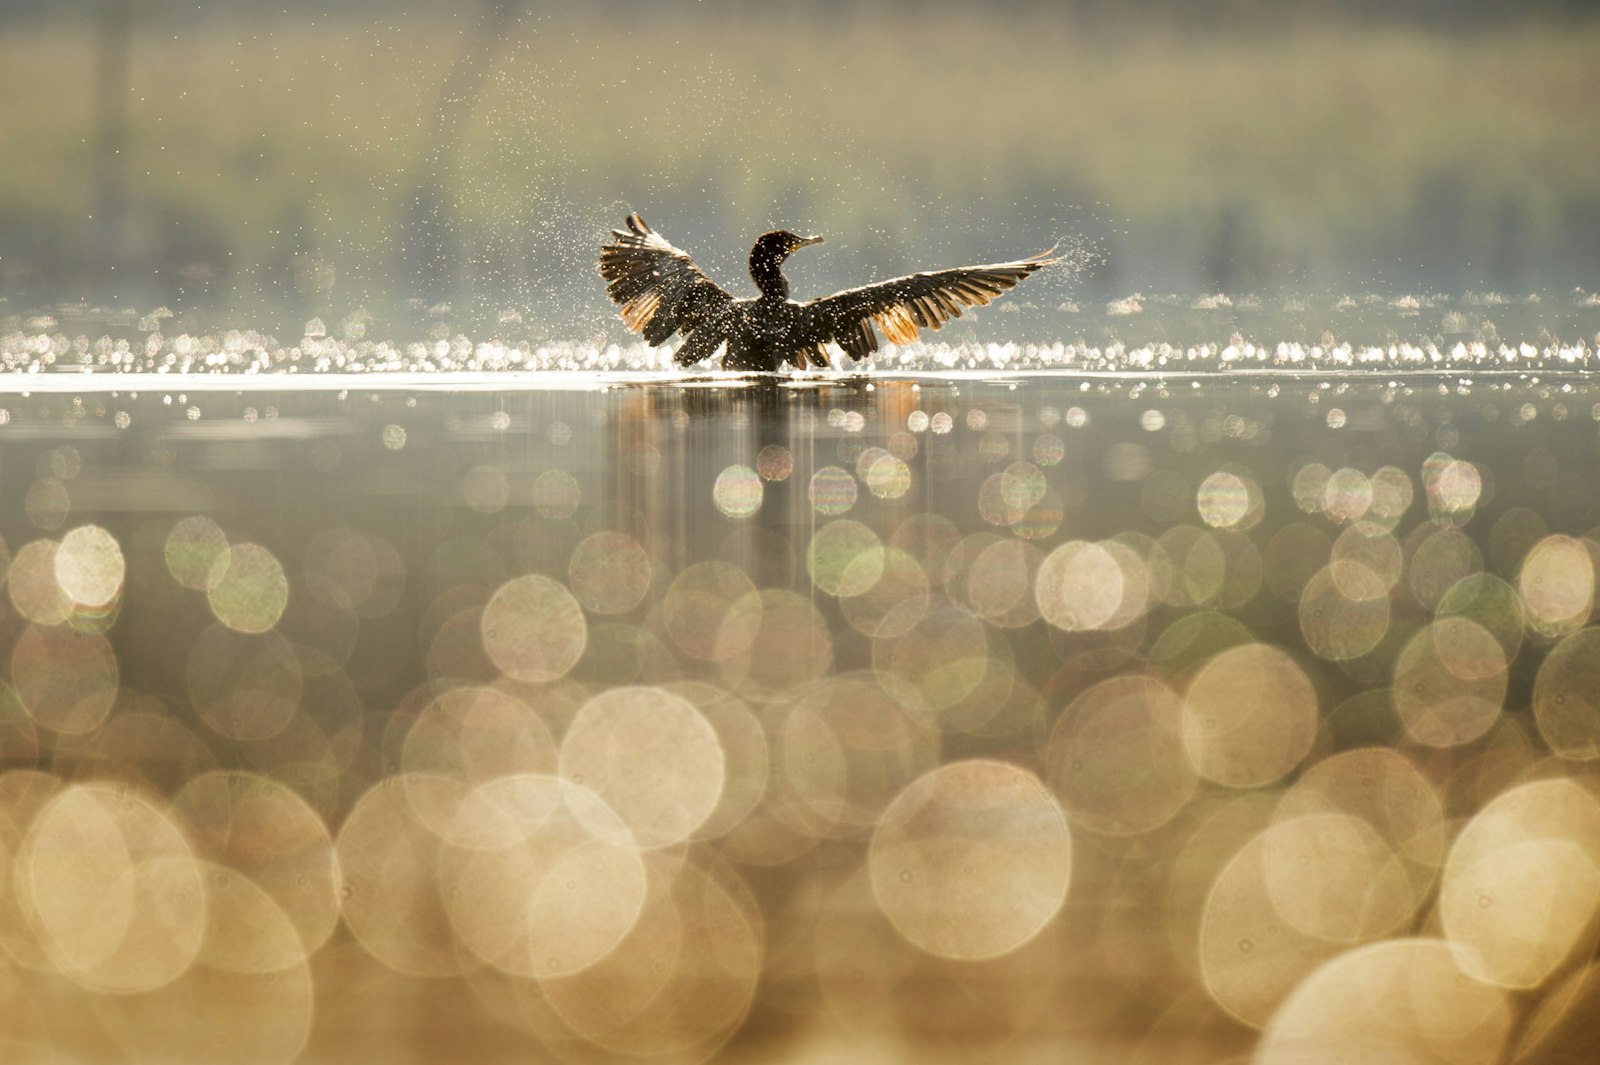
<point x="663" y="292"/>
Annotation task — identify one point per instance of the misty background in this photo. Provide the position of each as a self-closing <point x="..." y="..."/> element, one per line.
<point x="379" y="160"/>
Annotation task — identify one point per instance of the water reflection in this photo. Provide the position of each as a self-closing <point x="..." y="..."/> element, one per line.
<point x="675" y="723"/>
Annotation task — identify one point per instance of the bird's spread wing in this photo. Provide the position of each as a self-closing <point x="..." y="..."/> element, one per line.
<point x="660" y="288"/>
<point x="903" y="305"/>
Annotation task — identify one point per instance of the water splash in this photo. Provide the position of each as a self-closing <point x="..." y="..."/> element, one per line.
<point x="248" y="353"/>
<point x="1407" y="334"/>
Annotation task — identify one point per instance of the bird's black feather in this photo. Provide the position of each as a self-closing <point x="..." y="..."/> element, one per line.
<point x="663" y="292"/>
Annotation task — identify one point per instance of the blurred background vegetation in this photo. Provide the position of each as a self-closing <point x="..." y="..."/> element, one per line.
<point x="316" y="159"/>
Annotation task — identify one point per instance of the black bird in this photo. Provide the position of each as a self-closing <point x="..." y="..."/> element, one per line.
<point x="663" y="292"/>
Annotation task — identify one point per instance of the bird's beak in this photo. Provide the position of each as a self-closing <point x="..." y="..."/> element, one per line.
<point x="809" y="240"/>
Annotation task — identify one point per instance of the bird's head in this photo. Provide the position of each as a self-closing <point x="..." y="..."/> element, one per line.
<point x="778" y="245"/>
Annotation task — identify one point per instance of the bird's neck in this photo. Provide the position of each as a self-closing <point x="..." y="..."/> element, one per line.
<point x="767" y="272"/>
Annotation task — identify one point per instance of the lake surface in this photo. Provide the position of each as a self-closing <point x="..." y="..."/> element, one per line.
<point x="1117" y="712"/>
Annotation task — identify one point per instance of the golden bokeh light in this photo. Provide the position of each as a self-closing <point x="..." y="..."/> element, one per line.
<point x="1438" y="558"/>
<point x="1192" y="640"/>
<point x="1022" y="486"/>
<point x="1382" y="788"/>
<point x="1521" y="887"/>
<point x="1346" y="496"/>
<point x="1228" y="500"/>
<point x="609" y="572"/>
<point x="1195" y="563"/>
<point x="1566" y="696"/>
<point x="698" y="601"/>
<point x="90" y="567"/>
<point x="1399" y="1000"/>
<point x="539" y="876"/>
<point x="1249" y="716"/>
<point x="556" y="494"/>
<point x="935" y="663"/>
<point x="1332" y="876"/>
<point x="67" y="680"/>
<point x="1309" y="485"/>
<point x="1392" y="494"/>
<point x="1515" y="914"/>
<point x="1453" y="487"/>
<point x="1000" y="583"/>
<point x="1492" y="603"/>
<point x="1557" y="585"/>
<point x="1450" y="682"/>
<point x="863" y="719"/>
<point x="738" y="492"/>
<point x="23" y="793"/>
<point x="1080" y="586"/>
<point x="972" y="860"/>
<point x="33" y="587"/>
<point x="485" y="489"/>
<point x="246" y="930"/>
<point x="845" y="559"/>
<point x="895" y="603"/>
<point x="842" y="750"/>
<point x="929" y="538"/>
<point x="1344" y="611"/>
<point x="1116" y="757"/>
<point x="247" y="588"/>
<point x="652" y="757"/>
<point x="1371" y="545"/>
<point x="745" y="749"/>
<point x="388" y="855"/>
<point x="533" y="629"/>
<point x="1249" y="956"/>
<point x="112" y="890"/>
<point x="833" y="491"/>
<point x="272" y="856"/>
<point x="675" y="988"/>
<point x="774" y="463"/>
<point x="474" y="734"/>
<point x="785" y="643"/>
<point x="887" y="477"/>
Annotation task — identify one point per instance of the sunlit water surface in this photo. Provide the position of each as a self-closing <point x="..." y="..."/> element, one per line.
<point x="395" y="709"/>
